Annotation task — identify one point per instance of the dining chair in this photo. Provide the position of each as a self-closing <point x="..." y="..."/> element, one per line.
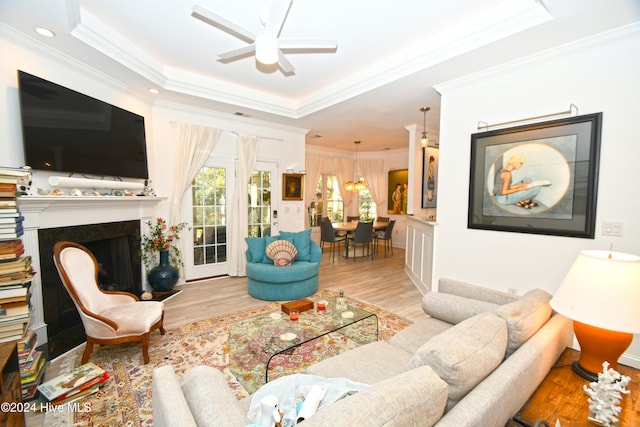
<point x="353" y="218"/>
<point x="328" y="234"/>
<point x="386" y="236"/>
<point x="363" y="234"/>
<point x="383" y="219"/>
<point x="107" y="317"/>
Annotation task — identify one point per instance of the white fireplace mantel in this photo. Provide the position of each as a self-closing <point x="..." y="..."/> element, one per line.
<point x="65" y="211"/>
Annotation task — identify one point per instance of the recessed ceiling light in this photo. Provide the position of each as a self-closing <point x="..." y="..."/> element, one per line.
<point x="45" y="32"/>
<point x="154" y="91"/>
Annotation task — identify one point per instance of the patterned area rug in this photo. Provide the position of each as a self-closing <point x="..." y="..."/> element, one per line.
<point x="125" y="400"/>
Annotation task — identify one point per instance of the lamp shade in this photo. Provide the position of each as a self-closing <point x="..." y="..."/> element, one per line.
<point x="602" y="289"/>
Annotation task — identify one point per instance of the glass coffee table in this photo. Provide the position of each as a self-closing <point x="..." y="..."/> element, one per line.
<point x="258" y="343"/>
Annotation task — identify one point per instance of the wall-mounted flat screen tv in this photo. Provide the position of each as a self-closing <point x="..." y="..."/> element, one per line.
<point x="67" y="131"/>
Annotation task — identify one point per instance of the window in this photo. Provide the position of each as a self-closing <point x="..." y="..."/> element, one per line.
<point x="209" y="216"/>
<point x="367" y="208"/>
<point x="331" y="205"/>
<point x="260" y="204"/>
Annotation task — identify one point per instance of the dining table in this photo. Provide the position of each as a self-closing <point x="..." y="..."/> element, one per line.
<point x="350" y="227"/>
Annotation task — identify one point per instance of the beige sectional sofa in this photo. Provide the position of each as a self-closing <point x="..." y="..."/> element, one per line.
<point x="473" y="362"/>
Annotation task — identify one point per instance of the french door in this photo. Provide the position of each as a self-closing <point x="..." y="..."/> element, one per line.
<point x="208" y="205"/>
<point x="262" y="193"/>
<point x="210" y="191"/>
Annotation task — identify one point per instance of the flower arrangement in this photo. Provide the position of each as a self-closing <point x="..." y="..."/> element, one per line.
<point x="161" y="237"/>
<point x="605" y="396"/>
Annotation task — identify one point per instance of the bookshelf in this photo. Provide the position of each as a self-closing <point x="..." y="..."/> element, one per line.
<point x="16" y="273"/>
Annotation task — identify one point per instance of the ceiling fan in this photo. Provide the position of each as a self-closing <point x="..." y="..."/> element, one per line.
<point x="267" y="46"/>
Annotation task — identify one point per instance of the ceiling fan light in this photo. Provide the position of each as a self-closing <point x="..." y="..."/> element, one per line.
<point x="266" y="49"/>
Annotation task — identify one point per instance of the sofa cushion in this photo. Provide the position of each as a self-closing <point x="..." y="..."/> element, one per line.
<point x="414" y="397"/>
<point x="282" y="253"/>
<point x="302" y="242"/>
<point x="475" y="292"/>
<point x="211" y="409"/>
<point x="524" y="317"/>
<point x="453" y="308"/>
<point x="367" y="364"/>
<point x="418" y="333"/>
<point x="256" y="247"/>
<point x="466" y="353"/>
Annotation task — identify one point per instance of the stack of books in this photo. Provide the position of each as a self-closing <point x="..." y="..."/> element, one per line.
<point x="15" y="266"/>
<point x="32" y="364"/>
<point x="81" y="381"/>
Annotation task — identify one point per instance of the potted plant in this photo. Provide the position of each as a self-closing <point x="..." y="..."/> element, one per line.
<point x="160" y="255"/>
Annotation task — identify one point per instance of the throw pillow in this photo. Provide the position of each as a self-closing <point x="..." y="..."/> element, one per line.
<point x="453" y="308"/>
<point x="465" y="354"/>
<point x="282" y="252"/>
<point x="302" y="242"/>
<point x="525" y="316"/>
<point x="256" y="246"/>
<point x="267" y="241"/>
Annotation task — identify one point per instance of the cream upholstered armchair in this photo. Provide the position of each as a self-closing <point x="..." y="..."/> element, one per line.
<point x="108" y="317"/>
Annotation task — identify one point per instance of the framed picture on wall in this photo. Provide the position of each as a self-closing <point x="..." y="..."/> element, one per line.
<point x="540" y="178"/>
<point x="430" y="157"/>
<point x="398" y="190"/>
<point x="292" y="186"/>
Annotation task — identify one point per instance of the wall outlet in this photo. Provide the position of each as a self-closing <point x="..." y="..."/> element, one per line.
<point x="610" y="228"/>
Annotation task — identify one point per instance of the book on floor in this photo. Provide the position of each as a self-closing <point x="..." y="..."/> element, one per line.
<point x="21" y="264"/>
<point x="87" y="388"/>
<point x="10" y="245"/>
<point x="11" y="221"/>
<point x="69" y="381"/>
<point x="11" y="234"/>
<point x="9" y="213"/>
<point x="12" y="257"/>
<point x="13" y="310"/>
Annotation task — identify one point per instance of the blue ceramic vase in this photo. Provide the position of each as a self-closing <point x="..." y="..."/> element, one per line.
<point x="164" y="276"/>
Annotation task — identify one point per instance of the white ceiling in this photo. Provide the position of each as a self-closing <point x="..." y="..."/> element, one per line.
<point x="389" y="55"/>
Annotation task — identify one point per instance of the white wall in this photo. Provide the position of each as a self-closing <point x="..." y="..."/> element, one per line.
<point x="598" y="75"/>
<point x="67" y="73"/>
<point x="280" y="145"/>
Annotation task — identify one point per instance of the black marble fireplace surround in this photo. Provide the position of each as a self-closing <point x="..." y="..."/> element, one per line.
<point x="116" y="246"/>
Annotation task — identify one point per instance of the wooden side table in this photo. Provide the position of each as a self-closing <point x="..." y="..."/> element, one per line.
<point x="561" y="396"/>
<point x="10" y="390"/>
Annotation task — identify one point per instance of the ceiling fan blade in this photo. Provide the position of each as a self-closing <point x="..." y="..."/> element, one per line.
<point x="277" y="14"/>
<point x="284" y="64"/>
<point x="304" y="44"/>
<point x="234" y="54"/>
<point x="218" y="21"/>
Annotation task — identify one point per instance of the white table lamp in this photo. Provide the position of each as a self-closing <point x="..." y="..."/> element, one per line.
<point x="601" y="294"/>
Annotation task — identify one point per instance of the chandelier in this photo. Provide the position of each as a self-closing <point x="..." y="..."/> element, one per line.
<point x="425" y="139"/>
<point x="359" y="184"/>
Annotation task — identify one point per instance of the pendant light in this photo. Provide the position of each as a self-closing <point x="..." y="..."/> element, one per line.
<point x="358" y="184"/>
<point x="425" y="139"/>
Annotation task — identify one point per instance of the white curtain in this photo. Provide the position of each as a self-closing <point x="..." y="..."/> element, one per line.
<point x="344" y="172"/>
<point x="238" y="220"/>
<point x="194" y="146"/>
<point x="313" y="169"/>
<point x="373" y="172"/>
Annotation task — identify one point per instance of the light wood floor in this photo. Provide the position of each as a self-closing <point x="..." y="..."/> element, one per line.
<point x="381" y="282"/>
